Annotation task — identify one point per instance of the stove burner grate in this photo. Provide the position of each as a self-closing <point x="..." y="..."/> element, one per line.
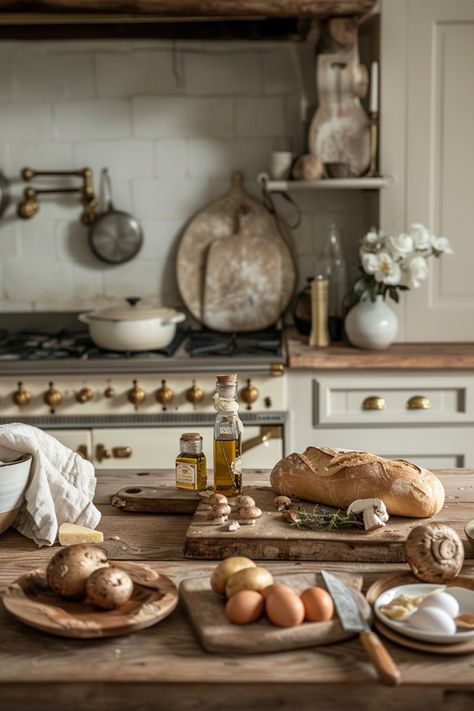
<point x="204" y="342"/>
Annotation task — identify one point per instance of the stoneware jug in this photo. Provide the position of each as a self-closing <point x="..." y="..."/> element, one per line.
<point x="371" y="324"/>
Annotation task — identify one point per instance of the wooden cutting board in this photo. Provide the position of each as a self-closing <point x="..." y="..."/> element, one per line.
<point x="243" y="282"/>
<point x="151" y="499"/>
<point x="272" y="538"/>
<point x="216" y="634"/>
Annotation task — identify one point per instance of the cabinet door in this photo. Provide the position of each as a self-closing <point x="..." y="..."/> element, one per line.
<point x="79" y="441"/>
<point x="427" y="121"/>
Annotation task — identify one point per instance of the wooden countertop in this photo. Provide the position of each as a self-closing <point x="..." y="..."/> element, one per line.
<point x="164" y="666"/>
<point x="399" y="356"/>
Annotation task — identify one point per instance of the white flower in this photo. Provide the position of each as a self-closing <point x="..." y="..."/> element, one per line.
<point x="420" y="235"/>
<point x="417" y="272"/>
<point x="441" y="245"/>
<point x="371" y="240"/>
<point x="383" y="267"/>
<point x="400" y="246"/>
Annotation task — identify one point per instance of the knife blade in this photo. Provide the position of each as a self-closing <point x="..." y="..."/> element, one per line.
<point x="352" y="621"/>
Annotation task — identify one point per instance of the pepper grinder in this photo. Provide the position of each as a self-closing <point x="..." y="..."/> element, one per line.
<point x="319" y="335"/>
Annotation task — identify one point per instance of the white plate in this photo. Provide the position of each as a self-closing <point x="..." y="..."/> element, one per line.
<point x="464" y="597"/>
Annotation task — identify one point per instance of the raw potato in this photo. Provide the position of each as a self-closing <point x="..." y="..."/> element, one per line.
<point x="109" y="588"/>
<point x="255" y="578"/>
<point x="226" y="569"/>
<point x="69" y="569"/>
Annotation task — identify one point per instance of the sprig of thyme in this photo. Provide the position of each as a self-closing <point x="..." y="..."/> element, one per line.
<point x="322" y="518"/>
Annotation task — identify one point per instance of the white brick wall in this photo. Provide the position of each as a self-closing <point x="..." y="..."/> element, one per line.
<point x="171" y="121"/>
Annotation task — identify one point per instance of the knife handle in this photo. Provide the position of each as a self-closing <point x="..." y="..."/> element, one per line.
<point x="380" y="658"/>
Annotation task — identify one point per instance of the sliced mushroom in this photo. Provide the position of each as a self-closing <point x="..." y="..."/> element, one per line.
<point x="283" y="503"/>
<point x="374" y="512"/>
<point x="434" y="552"/>
<point x="244" y="501"/>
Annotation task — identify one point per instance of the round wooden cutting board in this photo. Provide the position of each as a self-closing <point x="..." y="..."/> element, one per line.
<point x="219" y="221"/>
<point x="30" y="600"/>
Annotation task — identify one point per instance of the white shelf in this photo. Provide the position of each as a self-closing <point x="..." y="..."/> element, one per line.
<point x="377" y="183"/>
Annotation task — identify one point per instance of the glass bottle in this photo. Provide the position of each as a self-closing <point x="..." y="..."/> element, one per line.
<point x="191" y="470"/>
<point x="227" y="438"/>
<point x="332" y="265"/>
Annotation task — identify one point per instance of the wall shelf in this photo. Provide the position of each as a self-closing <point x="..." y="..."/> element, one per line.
<point x="287" y="186"/>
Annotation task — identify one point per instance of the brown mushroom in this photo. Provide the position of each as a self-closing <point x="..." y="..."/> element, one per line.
<point x="216" y="499"/>
<point x="219" y="511"/>
<point x="434" y="552"/>
<point x="249" y="514"/>
<point x="244" y="501"/>
<point x="282" y="503"/>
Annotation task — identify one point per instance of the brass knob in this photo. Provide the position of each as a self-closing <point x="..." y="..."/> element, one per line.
<point x="52" y="397"/>
<point x="418" y="402"/>
<point x="164" y="395"/>
<point x="121" y="452"/>
<point x="82" y="451"/>
<point x="194" y="394"/>
<point x="84" y="395"/>
<point x="21" y="397"/>
<point x="277" y="369"/>
<point x="374" y="402"/>
<point x="101" y="453"/>
<point x="249" y="394"/>
<point x="136" y="395"/>
<point x="109" y="391"/>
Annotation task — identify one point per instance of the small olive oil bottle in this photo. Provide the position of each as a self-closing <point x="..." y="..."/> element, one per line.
<point x="191" y="470"/>
<point x="227" y="438"/>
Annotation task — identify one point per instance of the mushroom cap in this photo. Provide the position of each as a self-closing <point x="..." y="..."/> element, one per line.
<point x="250" y="512"/>
<point x="218" y="510"/>
<point x="434" y="552"/>
<point x="217" y="499"/>
<point x="282" y="502"/>
<point x="244" y="501"/>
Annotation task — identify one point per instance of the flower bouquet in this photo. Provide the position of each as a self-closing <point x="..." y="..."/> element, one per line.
<point x="393" y="263"/>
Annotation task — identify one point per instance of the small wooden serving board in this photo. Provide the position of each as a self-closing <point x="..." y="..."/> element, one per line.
<point x="272" y="538"/>
<point x="150" y="499"/>
<point x="206" y="611"/>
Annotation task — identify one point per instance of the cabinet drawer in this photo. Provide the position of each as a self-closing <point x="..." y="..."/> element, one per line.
<point x="404" y="399"/>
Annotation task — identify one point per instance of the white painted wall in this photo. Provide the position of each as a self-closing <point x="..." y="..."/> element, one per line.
<point x="171" y="122"/>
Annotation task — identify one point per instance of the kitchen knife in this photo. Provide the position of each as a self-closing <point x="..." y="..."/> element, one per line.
<point x="352" y="621"/>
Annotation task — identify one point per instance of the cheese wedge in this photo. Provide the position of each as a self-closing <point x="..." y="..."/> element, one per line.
<point x="72" y="533"/>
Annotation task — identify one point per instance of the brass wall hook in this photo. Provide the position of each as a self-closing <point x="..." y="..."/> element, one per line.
<point x="29" y="206"/>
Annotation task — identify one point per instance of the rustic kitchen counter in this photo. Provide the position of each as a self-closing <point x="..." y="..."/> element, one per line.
<point x="399" y="356"/>
<point x="164" y="666"/>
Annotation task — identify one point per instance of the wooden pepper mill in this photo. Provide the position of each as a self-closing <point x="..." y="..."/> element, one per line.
<point x="319" y="335"/>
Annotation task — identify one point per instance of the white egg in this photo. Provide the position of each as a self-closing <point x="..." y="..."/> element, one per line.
<point x="430" y="619"/>
<point x="442" y="601"/>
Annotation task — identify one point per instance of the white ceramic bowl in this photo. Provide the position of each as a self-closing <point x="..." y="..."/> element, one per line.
<point x="13" y="481"/>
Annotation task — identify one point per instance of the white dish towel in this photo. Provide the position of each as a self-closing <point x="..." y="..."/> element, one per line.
<point x="61" y="484"/>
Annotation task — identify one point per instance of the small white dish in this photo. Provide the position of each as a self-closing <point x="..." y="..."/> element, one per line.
<point x="464" y="597"/>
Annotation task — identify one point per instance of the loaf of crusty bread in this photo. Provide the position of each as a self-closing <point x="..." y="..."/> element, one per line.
<point x="337" y="478"/>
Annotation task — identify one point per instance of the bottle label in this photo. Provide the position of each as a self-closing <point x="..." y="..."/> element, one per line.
<point x="186" y="473"/>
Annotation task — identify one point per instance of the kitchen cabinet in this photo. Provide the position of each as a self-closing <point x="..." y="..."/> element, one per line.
<point x="426" y="418"/>
<point x="427" y="116"/>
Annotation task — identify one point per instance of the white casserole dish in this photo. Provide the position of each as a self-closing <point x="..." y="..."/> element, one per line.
<point x="13" y="482"/>
<point x="133" y="327"/>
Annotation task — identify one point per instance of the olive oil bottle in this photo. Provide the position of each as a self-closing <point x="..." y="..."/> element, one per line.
<point x="227" y="438"/>
<point x="191" y="470"/>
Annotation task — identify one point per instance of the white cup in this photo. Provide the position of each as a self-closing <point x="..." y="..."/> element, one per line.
<point x="280" y="164"/>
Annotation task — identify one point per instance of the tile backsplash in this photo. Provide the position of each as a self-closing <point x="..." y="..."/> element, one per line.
<point x="171" y="121"/>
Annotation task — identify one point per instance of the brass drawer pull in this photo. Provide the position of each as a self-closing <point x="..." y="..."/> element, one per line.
<point x="418" y="402"/>
<point x="374" y="402"/>
<point x="122" y="452"/>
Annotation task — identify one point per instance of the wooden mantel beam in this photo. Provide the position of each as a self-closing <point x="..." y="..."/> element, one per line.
<point x="43" y="11"/>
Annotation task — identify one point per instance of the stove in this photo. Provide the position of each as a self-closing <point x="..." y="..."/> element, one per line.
<point x="128" y="409"/>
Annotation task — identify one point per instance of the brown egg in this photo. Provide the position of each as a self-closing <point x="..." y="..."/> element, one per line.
<point x="284" y="608"/>
<point x="276" y="586"/>
<point x="318" y="605"/>
<point x="244" y="607"/>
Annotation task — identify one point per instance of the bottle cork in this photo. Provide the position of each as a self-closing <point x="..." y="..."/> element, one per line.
<point x="227" y="385"/>
<point x="319" y="335"/>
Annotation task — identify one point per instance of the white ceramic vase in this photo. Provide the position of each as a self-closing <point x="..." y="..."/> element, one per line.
<point x="371" y="324"/>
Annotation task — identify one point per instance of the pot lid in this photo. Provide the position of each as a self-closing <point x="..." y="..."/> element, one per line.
<point x="133" y="312"/>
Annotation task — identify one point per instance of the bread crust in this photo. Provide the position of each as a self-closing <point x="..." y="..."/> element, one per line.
<point x="337" y="478"/>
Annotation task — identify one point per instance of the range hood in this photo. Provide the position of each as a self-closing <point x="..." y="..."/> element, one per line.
<point x="179" y="19"/>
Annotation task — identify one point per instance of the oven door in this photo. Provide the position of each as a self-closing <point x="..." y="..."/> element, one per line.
<point x="157" y="448"/>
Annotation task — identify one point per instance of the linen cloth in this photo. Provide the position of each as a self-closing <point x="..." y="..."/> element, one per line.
<point x="60" y="487"/>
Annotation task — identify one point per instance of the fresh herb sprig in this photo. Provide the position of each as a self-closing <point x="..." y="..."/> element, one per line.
<point x="322" y="518"/>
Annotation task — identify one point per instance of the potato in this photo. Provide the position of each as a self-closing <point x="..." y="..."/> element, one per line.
<point x="256" y="578"/>
<point x="69" y="569"/>
<point x="224" y="570"/>
<point x="109" y="588"/>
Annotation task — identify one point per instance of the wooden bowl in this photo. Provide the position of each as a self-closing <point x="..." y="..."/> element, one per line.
<point x="13" y="481"/>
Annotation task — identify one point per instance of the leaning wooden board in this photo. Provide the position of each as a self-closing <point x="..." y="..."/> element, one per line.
<point x="273" y="539"/>
<point x="206" y="612"/>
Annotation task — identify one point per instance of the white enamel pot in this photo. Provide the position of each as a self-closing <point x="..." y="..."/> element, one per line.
<point x="13" y="482"/>
<point x="133" y="327"/>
